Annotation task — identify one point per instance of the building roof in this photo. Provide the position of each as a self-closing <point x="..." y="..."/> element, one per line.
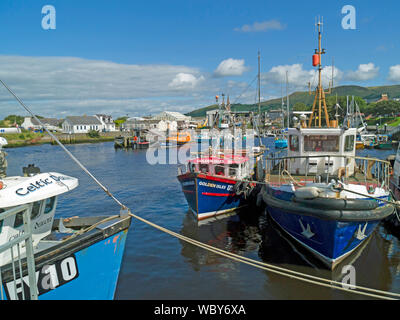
<point x="85" y="120"/>
<point x="51" y="121"/>
<point x="173" y="114"/>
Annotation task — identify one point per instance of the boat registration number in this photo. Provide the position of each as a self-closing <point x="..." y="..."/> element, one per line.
<point x="48" y="277"/>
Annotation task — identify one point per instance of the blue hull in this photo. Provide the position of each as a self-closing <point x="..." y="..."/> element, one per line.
<point x="209" y="196"/>
<point x="87" y="271"/>
<point x="330" y="241"/>
<point x="281" y="144"/>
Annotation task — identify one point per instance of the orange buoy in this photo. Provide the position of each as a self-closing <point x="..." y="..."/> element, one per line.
<point x="315" y="60"/>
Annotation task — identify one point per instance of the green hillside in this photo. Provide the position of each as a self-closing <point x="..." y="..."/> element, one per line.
<point x="367" y="93"/>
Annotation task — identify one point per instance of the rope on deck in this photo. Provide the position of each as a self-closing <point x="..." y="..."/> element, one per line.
<point x="373" y="293"/>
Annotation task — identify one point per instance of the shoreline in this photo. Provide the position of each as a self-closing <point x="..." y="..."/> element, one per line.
<point x="64" y="139"/>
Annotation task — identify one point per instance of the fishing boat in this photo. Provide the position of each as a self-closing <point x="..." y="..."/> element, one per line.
<point x="48" y="258"/>
<point x="178" y="138"/>
<point x="321" y="195"/>
<point x="119" y="142"/>
<point x="370" y="140"/>
<point x="384" y="142"/>
<point x="214" y="184"/>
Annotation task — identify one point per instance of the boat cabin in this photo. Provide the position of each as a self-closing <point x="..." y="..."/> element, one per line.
<point x="306" y="144"/>
<point x="36" y="196"/>
<point x="232" y="166"/>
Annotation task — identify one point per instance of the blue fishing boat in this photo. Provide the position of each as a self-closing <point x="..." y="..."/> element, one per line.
<point x="213" y="185"/>
<point x="321" y="195"/>
<point x="42" y="257"/>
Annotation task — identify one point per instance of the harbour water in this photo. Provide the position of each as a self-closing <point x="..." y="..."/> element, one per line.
<point x="159" y="266"/>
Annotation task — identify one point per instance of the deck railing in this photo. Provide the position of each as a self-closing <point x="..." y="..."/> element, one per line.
<point x="16" y="286"/>
<point x="361" y="169"/>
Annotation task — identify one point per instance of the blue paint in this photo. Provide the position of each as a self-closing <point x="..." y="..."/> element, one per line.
<point x="210" y="196"/>
<point x="332" y="239"/>
<point x="281" y="144"/>
<point x="98" y="266"/>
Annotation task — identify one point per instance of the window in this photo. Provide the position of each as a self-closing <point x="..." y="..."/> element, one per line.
<point x="203" y="168"/>
<point x="49" y="204"/>
<point x="18" y="220"/>
<point x="320" y="143"/>
<point x="349" y="143"/>
<point x="1" y="221"/>
<point x="233" y="169"/>
<point x="35" y="210"/>
<point x="219" y="170"/>
<point x="294" y="143"/>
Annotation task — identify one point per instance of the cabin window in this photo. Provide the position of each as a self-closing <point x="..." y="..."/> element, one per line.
<point x="349" y="143"/>
<point x="18" y="219"/>
<point x="1" y="221"/>
<point x="49" y="204"/>
<point x="294" y="143"/>
<point x="35" y="210"/>
<point x="233" y="169"/>
<point x="203" y="168"/>
<point x="219" y="170"/>
<point x="321" y="143"/>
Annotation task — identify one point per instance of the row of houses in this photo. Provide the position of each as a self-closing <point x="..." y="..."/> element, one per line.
<point x="73" y="124"/>
<point x="105" y="123"/>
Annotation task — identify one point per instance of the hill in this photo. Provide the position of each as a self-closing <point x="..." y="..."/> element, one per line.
<point x="367" y="93"/>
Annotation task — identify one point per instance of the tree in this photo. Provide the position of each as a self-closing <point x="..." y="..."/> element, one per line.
<point x="12" y="118"/>
<point x="300" y="106"/>
<point x="120" y="121"/>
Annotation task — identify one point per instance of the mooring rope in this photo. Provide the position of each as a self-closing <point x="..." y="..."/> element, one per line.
<point x="272" y="268"/>
<point x="374" y="293"/>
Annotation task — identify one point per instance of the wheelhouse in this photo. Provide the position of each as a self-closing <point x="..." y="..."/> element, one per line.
<point x="307" y="144"/>
<point x="234" y="166"/>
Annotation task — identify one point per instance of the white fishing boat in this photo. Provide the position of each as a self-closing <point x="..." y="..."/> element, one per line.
<point x="321" y="194"/>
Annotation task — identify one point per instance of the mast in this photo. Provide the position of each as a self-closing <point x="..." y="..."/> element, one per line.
<point x="259" y="89"/>
<point x="319" y="91"/>
<point x="282" y="107"/>
<point x="287" y="99"/>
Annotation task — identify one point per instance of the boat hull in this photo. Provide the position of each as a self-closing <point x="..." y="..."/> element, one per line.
<point x="330" y="235"/>
<point x="384" y="146"/>
<point x="209" y="196"/>
<point x="281" y="144"/>
<point x="83" y="268"/>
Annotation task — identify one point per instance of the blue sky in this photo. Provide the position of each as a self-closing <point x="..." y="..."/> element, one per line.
<point x="142" y="57"/>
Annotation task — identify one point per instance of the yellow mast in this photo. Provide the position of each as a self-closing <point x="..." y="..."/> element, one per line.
<point x="319" y="91"/>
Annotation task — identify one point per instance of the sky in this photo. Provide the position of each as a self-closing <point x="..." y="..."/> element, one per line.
<point x="139" y="58"/>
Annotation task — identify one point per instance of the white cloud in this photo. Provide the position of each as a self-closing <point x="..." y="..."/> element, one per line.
<point x="363" y="73"/>
<point x="230" y="67"/>
<point x="185" y="81"/>
<point x="394" y="73"/>
<point x="262" y="26"/>
<point x="299" y="78"/>
<point x="54" y="86"/>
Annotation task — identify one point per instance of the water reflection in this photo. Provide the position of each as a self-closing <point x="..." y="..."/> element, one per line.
<point x="256" y="236"/>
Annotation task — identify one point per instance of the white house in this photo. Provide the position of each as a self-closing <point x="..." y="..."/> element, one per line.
<point x="50" y="124"/>
<point x="107" y="122"/>
<point x="81" y="124"/>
